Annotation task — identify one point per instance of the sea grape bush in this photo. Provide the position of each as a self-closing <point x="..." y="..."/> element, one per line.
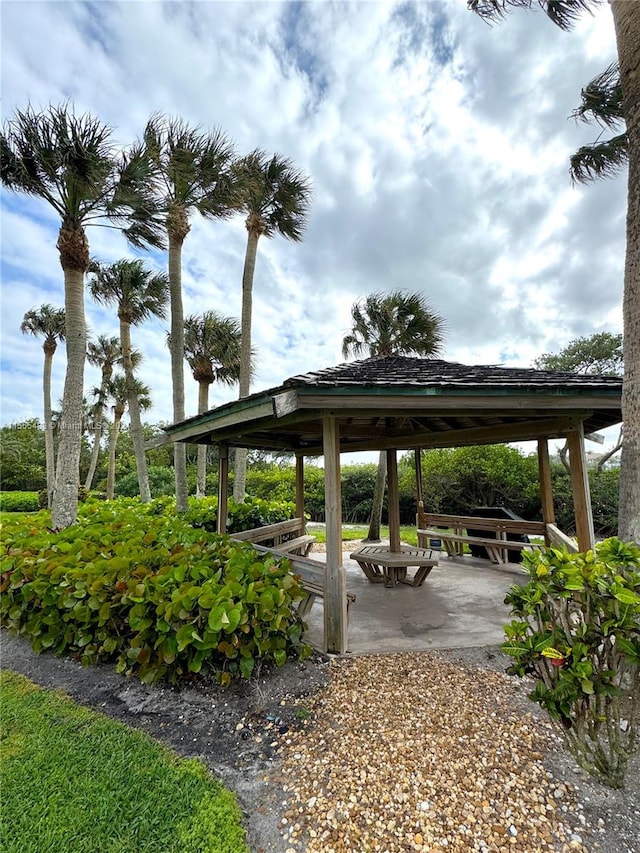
<point x="137" y="585"/>
<point x="577" y="634"/>
<point x="252" y="512"/>
<point x="19" y="502"/>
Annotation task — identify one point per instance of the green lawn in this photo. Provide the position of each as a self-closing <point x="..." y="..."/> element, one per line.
<point x="351" y="532"/>
<point x="74" y="781"/>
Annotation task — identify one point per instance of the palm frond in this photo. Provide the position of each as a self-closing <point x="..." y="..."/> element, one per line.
<point x="134" y="204"/>
<point x="600" y="160"/>
<point x="602" y="99"/>
<point x="67" y="160"/>
<point x="193" y="168"/>
<point x="275" y="195"/>
<point x="212" y="346"/>
<point x="46" y="320"/>
<point x="563" y="13"/>
<point x="395" y="323"/>
<point x="136" y="291"/>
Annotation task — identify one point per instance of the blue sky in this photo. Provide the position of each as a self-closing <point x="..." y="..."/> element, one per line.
<point x="437" y="147"/>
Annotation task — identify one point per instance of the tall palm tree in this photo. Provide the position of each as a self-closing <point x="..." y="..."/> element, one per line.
<point x="276" y="199"/>
<point x="395" y="323"/>
<point x="49" y="323"/>
<point x="138" y="294"/>
<point x="626" y="19"/>
<point x="192" y="173"/>
<point x="119" y="389"/>
<point x="212" y="349"/>
<point x="69" y="162"/>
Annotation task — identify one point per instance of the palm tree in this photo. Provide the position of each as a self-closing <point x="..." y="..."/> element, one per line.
<point x="192" y="173"/>
<point x="275" y="199"/>
<point x="70" y="162"/>
<point x="119" y="390"/>
<point x="104" y="353"/>
<point x="138" y="294"/>
<point x="626" y="19"/>
<point x="48" y="322"/>
<point x="212" y="349"/>
<point x="396" y="323"/>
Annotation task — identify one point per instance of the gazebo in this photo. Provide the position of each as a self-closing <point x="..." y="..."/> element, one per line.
<point x="398" y="403"/>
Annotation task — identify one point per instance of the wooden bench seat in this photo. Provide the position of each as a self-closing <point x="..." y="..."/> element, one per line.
<point x="381" y="565"/>
<point x="274" y="535"/>
<point x="300" y="545"/>
<point x="495" y="548"/>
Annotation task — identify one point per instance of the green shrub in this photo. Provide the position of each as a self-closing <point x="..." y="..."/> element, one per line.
<point x="136" y="584"/>
<point x="577" y="633"/>
<point x="253" y="512"/>
<point x="19" y="502"/>
<point x="161" y="482"/>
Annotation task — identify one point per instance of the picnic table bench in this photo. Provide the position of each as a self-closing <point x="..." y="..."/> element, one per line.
<point x="452" y="531"/>
<point x="381" y="565"/>
<point x="287" y="536"/>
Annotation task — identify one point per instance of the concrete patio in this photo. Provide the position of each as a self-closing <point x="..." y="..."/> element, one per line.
<point x="460" y="604"/>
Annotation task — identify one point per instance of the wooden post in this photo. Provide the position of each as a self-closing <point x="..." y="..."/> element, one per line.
<point x="580" y="487"/>
<point x="393" y="502"/>
<point x="417" y="453"/>
<point x="546" y="490"/>
<point x="335" y="582"/>
<point x="300" y="488"/>
<point x="223" y="483"/>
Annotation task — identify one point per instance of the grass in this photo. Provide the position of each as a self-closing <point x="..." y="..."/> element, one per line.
<point x="357" y="532"/>
<point x="73" y="780"/>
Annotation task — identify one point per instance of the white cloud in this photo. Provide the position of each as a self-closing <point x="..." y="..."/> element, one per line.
<point x="438" y="149"/>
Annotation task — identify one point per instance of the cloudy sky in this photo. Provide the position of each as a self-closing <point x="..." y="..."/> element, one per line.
<point x="437" y="147"/>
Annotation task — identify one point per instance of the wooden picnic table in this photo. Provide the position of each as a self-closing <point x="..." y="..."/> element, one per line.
<point x="382" y="565"/>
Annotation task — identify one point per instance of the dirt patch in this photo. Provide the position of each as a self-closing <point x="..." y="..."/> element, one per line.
<point x="242" y="735"/>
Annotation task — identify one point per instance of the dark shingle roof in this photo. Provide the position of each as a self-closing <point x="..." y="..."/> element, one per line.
<point x="406" y="371"/>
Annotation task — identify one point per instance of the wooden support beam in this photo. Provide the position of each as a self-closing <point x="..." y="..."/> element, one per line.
<point x="300" y="486"/>
<point x="580" y="487"/>
<point x="393" y="501"/>
<point x="335" y="582"/>
<point x="223" y="484"/>
<point x="546" y="489"/>
<point x="417" y="453"/>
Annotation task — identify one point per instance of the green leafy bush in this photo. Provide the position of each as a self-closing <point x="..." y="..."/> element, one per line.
<point x="138" y="585"/>
<point x="577" y="633"/>
<point x="161" y="482"/>
<point x="253" y="512"/>
<point x="19" y="502"/>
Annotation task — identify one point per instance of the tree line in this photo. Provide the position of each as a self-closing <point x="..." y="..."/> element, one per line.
<point x="149" y="191"/>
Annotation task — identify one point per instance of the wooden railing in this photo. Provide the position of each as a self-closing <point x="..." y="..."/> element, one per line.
<point x="452" y="530"/>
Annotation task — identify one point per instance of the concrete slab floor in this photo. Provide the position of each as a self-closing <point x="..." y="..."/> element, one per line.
<point x="460" y="604"/>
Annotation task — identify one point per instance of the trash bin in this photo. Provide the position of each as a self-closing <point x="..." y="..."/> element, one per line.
<point x="514" y="556"/>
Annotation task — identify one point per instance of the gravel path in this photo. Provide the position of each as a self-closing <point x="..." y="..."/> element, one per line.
<point x="432" y="751"/>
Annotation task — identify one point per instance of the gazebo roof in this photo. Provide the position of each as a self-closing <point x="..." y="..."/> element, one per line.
<point x="403" y="402"/>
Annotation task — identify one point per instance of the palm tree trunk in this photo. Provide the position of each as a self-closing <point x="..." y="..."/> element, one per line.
<point x="64" y="506"/>
<point x="203" y="406"/>
<point x="113" y="441"/>
<point x="137" y="437"/>
<point x="48" y="424"/>
<point x="177" y="364"/>
<point x="626" y="17"/>
<point x="240" y="464"/>
<point x="378" y="499"/>
<point x="95" y="450"/>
